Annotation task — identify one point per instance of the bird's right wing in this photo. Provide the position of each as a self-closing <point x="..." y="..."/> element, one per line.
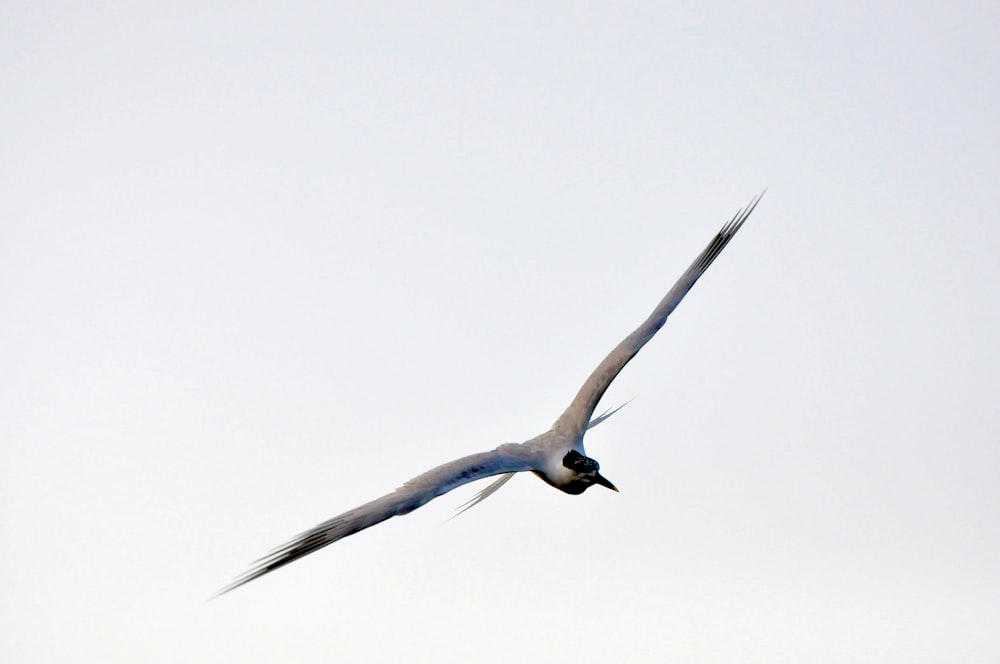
<point x="508" y="458"/>
<point x="577" y="417"/>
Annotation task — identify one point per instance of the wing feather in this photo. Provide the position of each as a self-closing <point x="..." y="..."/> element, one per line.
<point x="509" y="458"/>
<point x="576" y="418"/>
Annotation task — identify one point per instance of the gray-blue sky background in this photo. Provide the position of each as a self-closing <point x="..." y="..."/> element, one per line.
<point x="261" y="263"/>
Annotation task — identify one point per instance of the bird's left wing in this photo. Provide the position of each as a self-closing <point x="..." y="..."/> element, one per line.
<point x="577" y="417"/>
<point x="508" y="458"/>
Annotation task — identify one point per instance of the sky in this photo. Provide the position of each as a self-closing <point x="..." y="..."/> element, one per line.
<point x="263" y="262"/>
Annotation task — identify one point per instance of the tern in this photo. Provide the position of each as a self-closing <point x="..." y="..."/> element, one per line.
<point x="556" y="456"/>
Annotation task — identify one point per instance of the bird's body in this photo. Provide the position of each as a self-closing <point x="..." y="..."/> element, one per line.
<point x="557" y="456"/>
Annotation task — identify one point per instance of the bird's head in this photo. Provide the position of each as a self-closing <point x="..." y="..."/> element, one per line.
<point x="587" y="474"/>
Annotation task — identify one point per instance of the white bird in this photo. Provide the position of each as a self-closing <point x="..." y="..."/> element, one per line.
<point x="557" y="456"/>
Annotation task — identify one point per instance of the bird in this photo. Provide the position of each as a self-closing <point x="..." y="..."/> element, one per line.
<point x="557" y="456"/>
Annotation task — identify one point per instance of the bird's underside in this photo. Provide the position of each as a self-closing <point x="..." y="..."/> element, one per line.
<point x="557" y="456"/>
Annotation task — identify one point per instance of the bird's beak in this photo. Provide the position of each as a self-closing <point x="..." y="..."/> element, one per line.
<point x="603" y="481"/>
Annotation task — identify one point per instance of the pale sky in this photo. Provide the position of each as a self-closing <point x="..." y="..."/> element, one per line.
<point x="261" y="263"/>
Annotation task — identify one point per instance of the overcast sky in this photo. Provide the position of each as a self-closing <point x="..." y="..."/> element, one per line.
<point x="263" y="262"/>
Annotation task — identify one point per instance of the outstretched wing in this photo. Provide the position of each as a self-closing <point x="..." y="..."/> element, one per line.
<point x="574" y="421"/>
<point x="508" y="458"/>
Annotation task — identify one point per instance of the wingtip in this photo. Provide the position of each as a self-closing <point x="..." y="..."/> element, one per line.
<point x="219" y="593"/>
<point x="730" y="229"/>
<point x="753" y="204"/>
<point x="227" y="589"/>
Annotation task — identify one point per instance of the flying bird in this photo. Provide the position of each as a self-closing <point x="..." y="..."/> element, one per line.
<point x="556" y="456"/>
